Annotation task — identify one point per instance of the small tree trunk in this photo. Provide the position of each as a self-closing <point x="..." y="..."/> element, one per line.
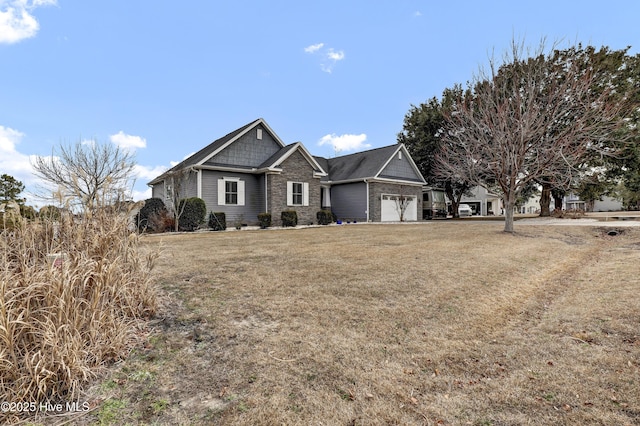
<point x="557" y="202"/>
<point x="454" y="202"/>
<point x="545" y="200"/>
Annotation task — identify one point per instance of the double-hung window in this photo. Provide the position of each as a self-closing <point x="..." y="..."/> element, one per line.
<point x="297" y="193"/>
<point x="230" y="192"/>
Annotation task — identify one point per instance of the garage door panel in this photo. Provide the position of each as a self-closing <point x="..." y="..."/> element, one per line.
<point x="390" y="209"/>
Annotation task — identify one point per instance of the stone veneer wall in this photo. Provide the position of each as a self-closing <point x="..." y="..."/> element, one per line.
<point x="295" y="169"/>
<point x="376" y="189"/>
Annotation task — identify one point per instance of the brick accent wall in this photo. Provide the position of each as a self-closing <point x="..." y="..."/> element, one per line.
<point x="376" y="189"/>
<point x="295" y="169"/>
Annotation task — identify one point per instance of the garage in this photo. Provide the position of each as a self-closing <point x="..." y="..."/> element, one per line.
<point x="391" y="207"/>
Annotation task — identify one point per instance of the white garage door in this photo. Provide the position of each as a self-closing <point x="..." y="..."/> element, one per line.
<point x="391" y="208"/>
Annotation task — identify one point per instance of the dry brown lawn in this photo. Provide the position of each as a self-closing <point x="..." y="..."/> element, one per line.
<point x="438" y="323"/>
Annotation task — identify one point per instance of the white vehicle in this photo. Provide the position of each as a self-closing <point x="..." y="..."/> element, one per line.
<point x="464" y="210"/>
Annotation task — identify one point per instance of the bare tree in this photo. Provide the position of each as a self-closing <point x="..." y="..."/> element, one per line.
<point x="402" y="202"/>
<point x="176" y="181"/>
<point x="90" y="174"/>
<point x="531" y="119"/>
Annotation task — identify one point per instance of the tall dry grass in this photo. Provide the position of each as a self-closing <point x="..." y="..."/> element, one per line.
<point x="72" y="293"/>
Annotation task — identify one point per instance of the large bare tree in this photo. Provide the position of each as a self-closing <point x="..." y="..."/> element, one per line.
<point x="88" y="173"/>
<point x="533" y="118"/>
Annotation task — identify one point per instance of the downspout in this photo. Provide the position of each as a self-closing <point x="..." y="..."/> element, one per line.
<point x="368" y="198"/>
<point x="199" y="182"/>
<point x="266" y="194"/>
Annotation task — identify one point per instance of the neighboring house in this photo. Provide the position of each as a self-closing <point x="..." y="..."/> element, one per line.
<point x="250" y="171"/>
<point x="483" y="202"/>
<point x="532" y="205"/>
<point x="605" y="204"/>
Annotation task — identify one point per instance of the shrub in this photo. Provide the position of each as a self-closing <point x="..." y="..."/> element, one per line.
<point x="217" y="221"/>
<point x="289" y="218"/>
<point x="162" y="221"/>
<point x="265" y="220"/>
<point x="193" y="211"/>
<point x="147" y="217"/>
<point x="28" y="212"/>
<point x="240" y="222"/>
<point x="72" y="296"/>
<point x="571" y="213"/>
<point x="324" y="217"/>
<point x="49" y="213"/>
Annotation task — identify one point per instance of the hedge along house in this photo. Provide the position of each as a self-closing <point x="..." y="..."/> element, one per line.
<point x="251" y="171"/>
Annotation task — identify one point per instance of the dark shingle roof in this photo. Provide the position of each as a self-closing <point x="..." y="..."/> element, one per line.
<point x="204" y="152"/>
<point x="282" y="151"/>
<point x="361" y="165"/>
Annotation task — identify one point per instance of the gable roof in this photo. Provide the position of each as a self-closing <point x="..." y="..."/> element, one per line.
<point x="201" y="156"/>
<point x="365" y="164"/>
<point x="276" y="159"/>
<point x="347" y="168"/>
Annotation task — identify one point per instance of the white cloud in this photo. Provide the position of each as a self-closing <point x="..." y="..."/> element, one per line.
<point x="175" y="163"/>
<point x="345" y="142"/>
<point x="313" y="48"/>
<point x="141" y="195"/>
<point x="13" y="162"/>
<point x="417" y="14"/>
<point x="148" y="173"/>
<point x="16" y="20"/>
<point x="329" y="57"/>
<point x="335" y="56"/>
<point x="128" y="142"/>
<point x="17" y="164"/>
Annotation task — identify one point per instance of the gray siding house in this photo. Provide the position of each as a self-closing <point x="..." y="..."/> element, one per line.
<point x="250" y="171"/>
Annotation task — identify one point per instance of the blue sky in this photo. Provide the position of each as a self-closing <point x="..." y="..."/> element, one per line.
<point x="167" y="78"/>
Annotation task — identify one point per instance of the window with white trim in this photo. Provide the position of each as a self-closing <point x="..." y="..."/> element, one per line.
<point x="230" y="192"/>
<point x="297" y="193"/>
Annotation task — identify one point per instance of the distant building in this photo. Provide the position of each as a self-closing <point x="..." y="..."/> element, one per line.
<point x="606" y="204"/>
<point x="483" y="202"/>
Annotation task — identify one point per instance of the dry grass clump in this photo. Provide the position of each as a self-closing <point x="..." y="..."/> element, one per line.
<point x="70" y="294"/>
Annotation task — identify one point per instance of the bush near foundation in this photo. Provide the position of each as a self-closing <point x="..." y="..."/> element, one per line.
<point x="324" y="217"/>
<point x="151" y="216"/>
<point x="193" y="211"/>
<point x="265" y="220"/>
<point x="289" y="218"/>
<point x="217" y="221"/>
